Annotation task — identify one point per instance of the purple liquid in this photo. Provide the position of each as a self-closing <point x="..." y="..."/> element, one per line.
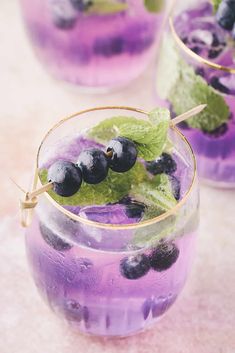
<point x="97" y="51"/>
<point x="81" y="280"/>
<point x="215" y="151"/>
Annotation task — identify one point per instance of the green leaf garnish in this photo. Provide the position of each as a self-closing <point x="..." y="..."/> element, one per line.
<point x="150" y="136"/>
<point x="151" y="235"/>
<point x="167" y="67"/>
<point x="216" y="4"/>
<point x="103" y="7"/>
<point x="154" y="5"/>
<point x="184" y="89"/>
<point x="171" y="226"/>
<point x="193" y="90"/>
<point x="111" y="190"/>
<point x="156" y="192"/>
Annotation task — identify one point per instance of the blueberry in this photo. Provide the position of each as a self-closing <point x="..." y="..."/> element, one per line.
<point x="135" y="209"/>
<point x="161" y="304"/>
<point x="216" y="42"/>
<point x="216" y="84"/>
<point x="196" y="50"/>
<point x="81" y="5"/>
<point x="138" y="44"/>
<point x="94" y="165"/>
<point x="200" y="71"/>
<point x="147" y="307"/>
<point x="73" y="310"/>
<point x="66" y="178"/>
<point x="63" y="15"/>
<point x="226" y="14"/>
<point x="124" y="154"/>
<point x="218" y="132"/>
<point x="134" y="267"/>
<point x="164" y="164"/>
<point x="163" y="256"/>
<point x="214" y="53"/>
<point x="53" y="240"/>
<point x="175" y="184"/>
<point x="109" y="46"/>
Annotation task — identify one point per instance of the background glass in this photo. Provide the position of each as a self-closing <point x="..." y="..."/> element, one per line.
<point x="193" y="38"/>
<point x="92" y="50"/>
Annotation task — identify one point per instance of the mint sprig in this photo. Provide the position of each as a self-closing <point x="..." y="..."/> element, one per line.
<point x="103" y="7"/>
<point x="111" y="190"/>
<point x="151" y="235"/>
<point x="150" y="136"/>
<point x="174" y="226"/>
<point x="192" y="90"/>
<point x="154" y="5"/>
<point x="215" y="4"/>
<point x="157" y="193"/>
<point x="183" y="88"/>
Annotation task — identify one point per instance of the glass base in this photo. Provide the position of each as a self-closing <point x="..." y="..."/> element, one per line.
<point x="218" y="184"/>
<point x="100" y="90"/>
<point x="148" y="327"/>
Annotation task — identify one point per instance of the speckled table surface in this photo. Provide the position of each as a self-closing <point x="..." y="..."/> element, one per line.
<point x="203" y="318"/>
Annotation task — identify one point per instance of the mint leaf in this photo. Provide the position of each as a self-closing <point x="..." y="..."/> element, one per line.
<point x="216" y="4"/>
<point x="112" y="189"/>
<point x="160" y="119"/>
<point x="154" y="5"/>
<point x="151" y="235"/>
<point x="156" y="192"/>
<point x="191" y="90"/>
<point x="104" y="7"/>
<point x="183" y="222"/>
<point x="150" y="136"/>
<point x="178" y="83"/>
<point x="167" y="67"/>
<point x="108" y="128"/>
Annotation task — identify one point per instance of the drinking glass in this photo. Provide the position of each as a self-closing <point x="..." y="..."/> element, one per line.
<point x="91" y="45"/>
<point x="75" y="262"/>
<point x="196" y="64"/>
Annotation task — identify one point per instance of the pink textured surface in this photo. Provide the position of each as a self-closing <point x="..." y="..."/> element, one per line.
<point x="203" y="318"/>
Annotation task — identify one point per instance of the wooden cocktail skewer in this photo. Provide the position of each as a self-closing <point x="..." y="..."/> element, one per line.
<point x="31" y="196"/>
<point x="194" y="111"/>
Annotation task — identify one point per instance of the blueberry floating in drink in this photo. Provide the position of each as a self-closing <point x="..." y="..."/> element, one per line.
<point x="54" y="240"/>
<point x="135" y="267"/>
<point x="163" y="164"/>
<point x="62" y="13"/>
<point x="81" y="5"/>
<point x="164" y="256"/>
<point x="108" y="233"/>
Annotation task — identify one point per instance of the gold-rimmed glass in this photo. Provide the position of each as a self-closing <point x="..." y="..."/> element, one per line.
<point x="76" y="262"/>
<point x="192" y="37"/>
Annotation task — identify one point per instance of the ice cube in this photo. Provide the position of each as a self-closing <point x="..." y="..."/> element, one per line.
<point x="111" y="214"/>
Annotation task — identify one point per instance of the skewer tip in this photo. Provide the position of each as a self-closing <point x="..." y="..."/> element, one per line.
<point x="201" y="107"/>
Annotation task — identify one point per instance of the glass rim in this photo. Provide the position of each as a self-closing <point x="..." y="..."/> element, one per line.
<point x="191" y="53"/>
<point x="117" y="226"/>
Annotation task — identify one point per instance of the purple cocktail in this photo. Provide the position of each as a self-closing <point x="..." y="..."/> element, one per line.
<point x="112" y="258"/>
<point x="93" y="44"/>
<point x="198" y="55"/>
